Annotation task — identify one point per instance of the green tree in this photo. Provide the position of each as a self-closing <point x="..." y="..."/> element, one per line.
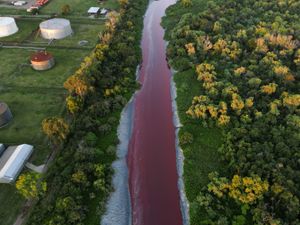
<point x="30" y="185"/>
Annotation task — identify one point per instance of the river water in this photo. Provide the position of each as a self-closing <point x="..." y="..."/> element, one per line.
<point x="153" y="177"/>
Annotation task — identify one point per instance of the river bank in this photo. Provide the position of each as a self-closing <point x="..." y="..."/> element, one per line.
<point x="199" y="144"/>
<point x="154" y="164"/>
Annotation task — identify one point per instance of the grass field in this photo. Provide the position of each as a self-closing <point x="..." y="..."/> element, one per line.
<point x="4" y="11"/>
<point x="87" y="32"/>
<point x="78" y="7"/>
<point x="32" y="95"/>
<point x="15" y="75"/>
<point x="10" y="204"/>
<point x="25" y="29"/>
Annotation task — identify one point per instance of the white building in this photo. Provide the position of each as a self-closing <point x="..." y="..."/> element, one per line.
<point x="12" y="162"/>
<point x="20" y="3"/>
<point x="56" y="28"/>
<point x="8" y="26"/>
<point x="94" y="10"/>
<point x="103" y="11"/>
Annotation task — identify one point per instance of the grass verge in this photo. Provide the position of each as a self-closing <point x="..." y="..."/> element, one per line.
<point x="201" y="156"/>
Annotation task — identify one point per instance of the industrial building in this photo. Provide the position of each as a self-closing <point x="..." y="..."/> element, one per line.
<point x="12" y="161"/>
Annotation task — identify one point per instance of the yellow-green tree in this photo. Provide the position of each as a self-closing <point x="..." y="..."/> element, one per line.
<point x="56" y="129"/>
<point x="246" y="190"/>
<point x="186" y="3"/>
<point x="30" y="185"/>
<point x="74" y="104"/>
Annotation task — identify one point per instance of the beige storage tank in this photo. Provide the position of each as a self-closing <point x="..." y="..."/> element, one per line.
<point x="42" y="60"/>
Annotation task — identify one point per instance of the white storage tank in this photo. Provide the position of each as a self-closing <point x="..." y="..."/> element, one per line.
<point x="8" y="26"/>
<point x="56" y="28"/>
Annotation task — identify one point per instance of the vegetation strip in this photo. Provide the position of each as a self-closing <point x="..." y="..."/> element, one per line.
<point x="76" y="193"/>
<point x="245" y="56"/>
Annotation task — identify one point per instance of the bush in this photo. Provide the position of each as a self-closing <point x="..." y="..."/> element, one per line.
<point x="91" y="139"/>
<point x="186" y="138"/>
<point x="65" y="9"/>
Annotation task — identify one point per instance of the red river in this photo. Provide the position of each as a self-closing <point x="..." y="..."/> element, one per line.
<point x="152" y="154"/>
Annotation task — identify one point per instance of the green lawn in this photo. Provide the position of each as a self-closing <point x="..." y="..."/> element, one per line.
<point x="26" y="27"/>
<point x="13" y="74"/>
<point x="31" y="96"/>
<point x="11" y="203"/>
<point x="11" y="11"/>
<point x="78" y="7"/>
<point x="34" y="95"/>
<point x="29" y="107"/>
<point x="87" y="32"/>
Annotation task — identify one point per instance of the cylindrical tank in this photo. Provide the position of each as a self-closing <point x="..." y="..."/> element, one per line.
<point x="42" y="60"/>
<point x="8" y="26"/>
<point x="5" y="114"/>
<point x="56" y="28"/>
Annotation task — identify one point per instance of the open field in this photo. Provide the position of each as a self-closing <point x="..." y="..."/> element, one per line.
<point x="78" y="7"/>
<point x="83" y="30"/>
<point x="11" y="203"/>
<point x="87" y="32"/>
<point x="26" y="27"/>
<point x="32" y="95"/>
<point x="15" y="75"/>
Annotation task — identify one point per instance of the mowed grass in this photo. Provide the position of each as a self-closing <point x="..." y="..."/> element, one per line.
<point x="29" y="107"/>
<point x="11" y="11"/>
<point x="11" y="203"/>
<point x="32" y="96"/>
<point x="201" y="157"/>
<point x="78" y="7"/>
<point x="86" y="32"/>
<point x="26" y="27"/>
<point x="14" y="74"/>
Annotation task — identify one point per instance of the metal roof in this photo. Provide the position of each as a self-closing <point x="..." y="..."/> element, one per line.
<point x="94" y="10"/>
<point x="12" y="162"/>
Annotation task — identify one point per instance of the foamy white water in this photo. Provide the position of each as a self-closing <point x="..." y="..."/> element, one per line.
<point x="184" y="204"/>
<point x="118" y="207"/>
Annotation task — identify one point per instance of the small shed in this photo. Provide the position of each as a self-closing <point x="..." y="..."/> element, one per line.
<point x="5" y="114"/>
<point x="103" y="11"/>
<point x="20" y="3"/>
<point x="42" y="60"/>
<point x="94" y="11"/>
<point x="13" y="161"/>
<point x="8" y="26"/>
<point x="56" y="28"/>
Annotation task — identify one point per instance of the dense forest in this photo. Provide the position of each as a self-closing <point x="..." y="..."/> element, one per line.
<point x="246" y="59"/>
<point x="78" y="182"/>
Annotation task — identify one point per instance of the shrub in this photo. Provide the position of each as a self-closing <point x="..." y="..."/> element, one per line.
<point x="186" y="138"/>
